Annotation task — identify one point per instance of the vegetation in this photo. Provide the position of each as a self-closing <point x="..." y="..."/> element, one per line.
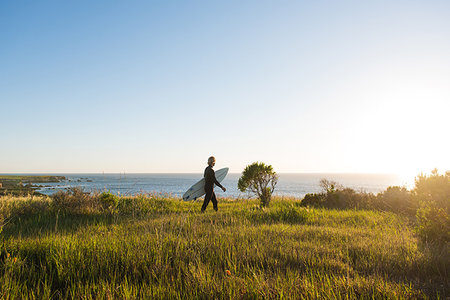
<point x="260" y="179"/>
<point x="78" y="245"/>
<point x="33" y="178"/>
<point x="332" y="245"/>
<point x="429" y="201"/>
<point x="335" y="196"/>
<point x="22" y="185"/>
<point x="433" y="216"/>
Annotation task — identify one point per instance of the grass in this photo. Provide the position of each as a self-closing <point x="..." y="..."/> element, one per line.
<point x="164" y="248"/>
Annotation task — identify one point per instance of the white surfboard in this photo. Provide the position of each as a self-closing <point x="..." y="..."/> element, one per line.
<point x="198" y="189"/>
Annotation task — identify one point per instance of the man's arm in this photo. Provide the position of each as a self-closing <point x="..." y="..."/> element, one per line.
<point x="213" y="174"/>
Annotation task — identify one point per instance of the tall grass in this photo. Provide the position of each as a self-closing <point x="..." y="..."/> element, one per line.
<point x="153" y="246"/>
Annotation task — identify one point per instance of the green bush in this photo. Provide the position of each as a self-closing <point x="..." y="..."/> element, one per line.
<point x="314" y="200"/>
<point x="108" y="201"/>
<point x="433" y="193"/>
<point x="344" y="198"/>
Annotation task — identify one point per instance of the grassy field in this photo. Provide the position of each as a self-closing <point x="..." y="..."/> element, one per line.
<point x="151" y="246"/>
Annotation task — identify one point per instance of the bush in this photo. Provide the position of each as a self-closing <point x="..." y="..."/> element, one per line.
<point x="109" y="201"/>
<point x="335" y="196"/>
<point x="314" y="200"/>
<point x="433" y="193"/>
<point x="340" y="198"/>
<point x="75" y="200"/>
<point x="397" y="199"/>
<point x="349" y="199"/>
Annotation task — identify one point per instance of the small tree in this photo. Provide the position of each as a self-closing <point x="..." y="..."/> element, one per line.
<point x="329" y="186"/>
<point x="260" y="179"/>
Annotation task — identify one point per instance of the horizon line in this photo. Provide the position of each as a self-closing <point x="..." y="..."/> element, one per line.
<point x="300" y="172"/>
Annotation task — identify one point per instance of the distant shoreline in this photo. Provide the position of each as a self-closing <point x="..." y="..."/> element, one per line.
<point x="24" y="184"/>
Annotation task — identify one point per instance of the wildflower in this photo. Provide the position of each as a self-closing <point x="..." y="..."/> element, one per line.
<point x="7" y="255"/>
<point x="228" y="272"/>
<point x="15" y="259"/>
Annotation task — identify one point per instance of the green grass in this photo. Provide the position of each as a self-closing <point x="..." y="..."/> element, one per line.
<point x="164" y="248"/>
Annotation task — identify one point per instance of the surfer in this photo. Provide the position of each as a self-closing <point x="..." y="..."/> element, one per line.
<point x="210" y="180"/>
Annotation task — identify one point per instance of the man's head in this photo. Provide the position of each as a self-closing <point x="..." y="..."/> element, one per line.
<point x="211" y="161"/>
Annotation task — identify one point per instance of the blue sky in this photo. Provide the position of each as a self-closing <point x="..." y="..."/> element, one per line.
<point x="159" y="86"/>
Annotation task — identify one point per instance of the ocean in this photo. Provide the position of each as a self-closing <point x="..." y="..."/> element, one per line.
<point x="295" y="185"/>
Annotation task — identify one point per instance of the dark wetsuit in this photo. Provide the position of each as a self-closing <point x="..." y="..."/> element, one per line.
<point x="210" y="180"/>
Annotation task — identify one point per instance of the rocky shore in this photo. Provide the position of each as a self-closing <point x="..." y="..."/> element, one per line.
<point x="23" y="185"/>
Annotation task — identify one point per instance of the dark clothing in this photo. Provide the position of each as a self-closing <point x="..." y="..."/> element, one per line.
<point x="210" y="180"/>
<point x="210" y="196"/>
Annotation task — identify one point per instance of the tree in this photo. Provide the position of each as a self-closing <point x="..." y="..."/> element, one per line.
<point x="260" y="179"/>
<point x="329" y="186"/>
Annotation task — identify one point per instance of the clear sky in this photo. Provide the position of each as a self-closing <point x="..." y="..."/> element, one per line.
<point x="159" y="86"/>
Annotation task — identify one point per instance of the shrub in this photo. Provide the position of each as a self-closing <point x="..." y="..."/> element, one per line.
<point x="314" y="200"/>
<point x="109" y="201"/>
<point x="337" y="197"/>
<point x="396" y="199"/>
<point x="75" y="200"/>
<point x="260" y="179"/>
<point x="433" y="193"/>
<point x="433" y="188"/>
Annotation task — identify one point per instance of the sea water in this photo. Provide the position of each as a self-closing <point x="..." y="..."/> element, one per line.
<point x="295" y="185"/>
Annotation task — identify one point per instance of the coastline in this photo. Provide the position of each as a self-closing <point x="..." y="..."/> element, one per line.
<point x="25" y="184"/>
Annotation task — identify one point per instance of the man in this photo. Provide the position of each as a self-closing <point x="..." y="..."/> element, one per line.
<point x="210" y="180"/>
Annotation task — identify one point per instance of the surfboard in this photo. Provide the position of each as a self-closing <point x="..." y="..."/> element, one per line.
<point x="198" y="189"/>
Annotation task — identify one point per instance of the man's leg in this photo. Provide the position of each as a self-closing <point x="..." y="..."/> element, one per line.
<point x="207" y="199"/>
<point x="214" y="201"/>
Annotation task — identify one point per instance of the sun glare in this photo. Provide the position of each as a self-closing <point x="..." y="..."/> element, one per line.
<point x="402" y="121"/>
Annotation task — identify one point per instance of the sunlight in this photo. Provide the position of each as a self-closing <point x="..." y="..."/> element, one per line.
<point x="401" y="123"/>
